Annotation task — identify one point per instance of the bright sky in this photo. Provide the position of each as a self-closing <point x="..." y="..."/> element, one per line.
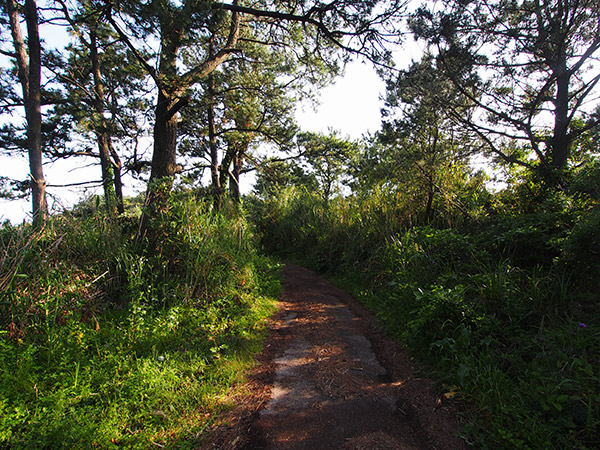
<point x="351" y="105"/>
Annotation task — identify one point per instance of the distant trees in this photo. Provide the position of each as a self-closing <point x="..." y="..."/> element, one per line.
<point x="422" y="144"/>
<point x="249" y="101"/>
<point x="329" y="158"/>
<point x="525" y="66"/>
<point x="181" y="48"/>
<point x="420" y="158"/>
<point x="196" y="37"/>
<point x="321" y="163"/>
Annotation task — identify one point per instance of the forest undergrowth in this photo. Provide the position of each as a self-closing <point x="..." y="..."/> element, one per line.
<point x="500" y="305"/>
<point x="108" y="345"/>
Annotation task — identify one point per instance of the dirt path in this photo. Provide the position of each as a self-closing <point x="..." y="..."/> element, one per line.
<point x="328" y="380"/>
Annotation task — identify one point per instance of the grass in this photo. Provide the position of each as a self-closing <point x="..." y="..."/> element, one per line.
<point x="131" y="382"/>
<point x="106" y="346"/>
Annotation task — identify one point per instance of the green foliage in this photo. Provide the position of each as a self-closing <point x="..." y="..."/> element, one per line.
<point x="328" y="157"/>
<point x="275" y="176"/>
<point x="105" y="346"/>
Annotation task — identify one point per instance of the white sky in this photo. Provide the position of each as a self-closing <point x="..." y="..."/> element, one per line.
<point x="351" y="105"/>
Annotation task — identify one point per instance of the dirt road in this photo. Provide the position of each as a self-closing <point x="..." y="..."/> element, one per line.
<point x="328" y="379"/>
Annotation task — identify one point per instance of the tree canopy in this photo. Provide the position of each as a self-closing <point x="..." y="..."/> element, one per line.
<point x="527" y="67"/>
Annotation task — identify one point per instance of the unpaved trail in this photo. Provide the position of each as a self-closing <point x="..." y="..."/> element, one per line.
<point x="328" y="379"/>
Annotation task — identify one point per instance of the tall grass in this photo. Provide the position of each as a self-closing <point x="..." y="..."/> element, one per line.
<point x="104" y="345"/>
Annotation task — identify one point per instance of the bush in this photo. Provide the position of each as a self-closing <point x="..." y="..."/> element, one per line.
<point x="105" y="345"/>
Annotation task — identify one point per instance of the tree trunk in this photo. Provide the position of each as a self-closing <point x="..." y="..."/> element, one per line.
<point x="164" y="157"/>
<point x="234" y="185"/>
<point x="212" y="142"/>
<point x="164" y="163"/>
<point x="560" y="138"/>
<point x="225" y="166"/>
<point x="171" y="98"/>
<point x="117" y="165"/>
<point x="107" y="172"/>
<point x="102" y="132"/>
<point x="29" y="65"/>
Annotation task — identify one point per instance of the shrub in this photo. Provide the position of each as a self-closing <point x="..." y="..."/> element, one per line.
<point x="105" y="345"/>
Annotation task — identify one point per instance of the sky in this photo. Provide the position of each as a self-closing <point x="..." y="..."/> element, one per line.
<point x="350" y="105"/>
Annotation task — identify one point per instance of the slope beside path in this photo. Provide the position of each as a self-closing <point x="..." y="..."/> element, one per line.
<point x="328" y="379"/>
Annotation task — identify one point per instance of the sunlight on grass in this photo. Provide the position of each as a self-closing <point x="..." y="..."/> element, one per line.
<point x="104" y="346"/>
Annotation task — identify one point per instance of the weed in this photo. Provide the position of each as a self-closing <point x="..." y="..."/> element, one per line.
<point x="102" y="345"/>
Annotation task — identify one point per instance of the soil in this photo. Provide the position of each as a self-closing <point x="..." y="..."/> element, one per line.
<point x="329" y="379"/>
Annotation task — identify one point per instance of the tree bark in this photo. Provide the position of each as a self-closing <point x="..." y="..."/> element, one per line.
<point x="164" y="163"/>
<point x="102" y="132"/>
<point x="560" y="138"/>
<point x="29" y="66"/>
<point x="117" y="165"/>
<point x="164" y="157"/>
<point x="234" y="185"/>
<point x="231" y="168"/>
<point x="212" y="143"/>
<point x="224" y="175"/>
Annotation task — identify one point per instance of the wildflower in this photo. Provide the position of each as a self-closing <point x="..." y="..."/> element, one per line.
<point x="582" y="325"/>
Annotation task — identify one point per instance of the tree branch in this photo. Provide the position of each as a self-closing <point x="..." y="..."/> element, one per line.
<point x="125" y="39"/>
<point x="333" y="35"/>
<point x="177" y="106"/>
<point x="213" y="62"/>
<point x="82" y="183"/>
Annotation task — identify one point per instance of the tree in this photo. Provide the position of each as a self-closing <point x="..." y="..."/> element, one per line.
<point x="259" y="105"/>
<point x="320" y="164"/>
<point x="524" y="65"/>
<point x="328" y="157"/>
<point x="211" y="31"/>
<point x="248" y="102"/>
<point x="104" y="92"/>
<point x="175" y="26"/>
<point x="424" y="145"/>
<point x="273" y="175"/>
<point x="29" y="64"/>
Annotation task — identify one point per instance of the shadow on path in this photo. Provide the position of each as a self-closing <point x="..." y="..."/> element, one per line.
<point x="339" y="384"/>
